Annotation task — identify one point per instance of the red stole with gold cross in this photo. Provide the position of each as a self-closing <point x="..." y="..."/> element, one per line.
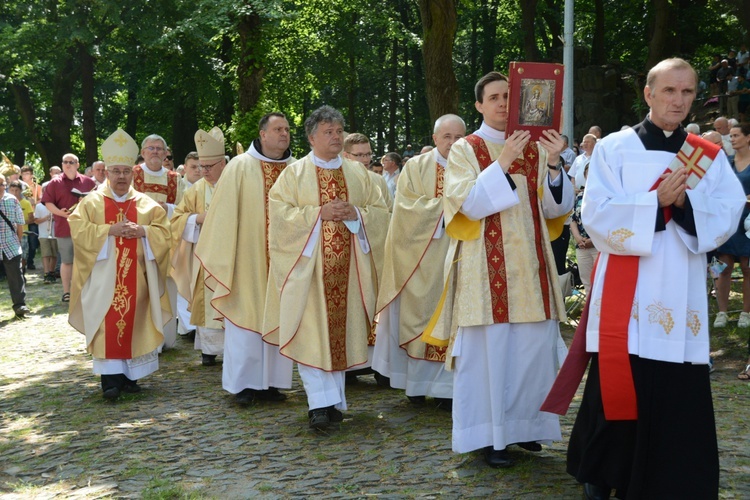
<point x="526" y="165"/>
<point x="336" y="250"/>
<point x="118" y="322"/>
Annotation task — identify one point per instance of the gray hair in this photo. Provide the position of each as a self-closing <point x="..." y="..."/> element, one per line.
<point x="154" y="137"/>
<point x="446" y="119"/>
<point x="324" y="114"/>
<point x="693" y="128"/>
<point x="667" y="65"/>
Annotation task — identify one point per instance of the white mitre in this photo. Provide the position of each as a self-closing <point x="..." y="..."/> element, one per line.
<point x="119" y="149"/>
<point x="210" y="145"/>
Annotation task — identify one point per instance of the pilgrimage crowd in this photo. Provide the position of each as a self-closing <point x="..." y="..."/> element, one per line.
<point x="440" y="275"/>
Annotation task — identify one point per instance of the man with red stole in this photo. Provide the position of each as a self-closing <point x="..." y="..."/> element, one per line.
<point x="233" y="250"/>
<point x="500" y="314"/>
<point x="187" y="222"/>
<point x="118" y="301"/>
<point x="656" y="200"/>
<point x="412" y="281"/>
<point x="327" y="230"/>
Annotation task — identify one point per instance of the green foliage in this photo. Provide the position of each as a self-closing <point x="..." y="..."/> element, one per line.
<point x="169" y="66"/>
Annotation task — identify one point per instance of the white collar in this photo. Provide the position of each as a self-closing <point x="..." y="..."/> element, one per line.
<point x="329" y="165"/>
<point x="120" y="199"/>
<point x="439" y="158"/>
<point x="490" y="134"/>
<point x="258" y="156"/>
<point x="157" y="173"/>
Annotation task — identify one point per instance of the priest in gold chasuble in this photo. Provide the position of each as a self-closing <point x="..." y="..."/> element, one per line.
<point x="233" y="252"/>
<point x="187" y="222"/>
<point x="502" y="304"/>
<point x="327" y="229"/>
<point x="121" y="239"/>
<point x="412" y="282"/>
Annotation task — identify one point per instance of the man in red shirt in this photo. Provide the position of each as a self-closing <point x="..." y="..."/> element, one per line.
<point x="60" y="199"/>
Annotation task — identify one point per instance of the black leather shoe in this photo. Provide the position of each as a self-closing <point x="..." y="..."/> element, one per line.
<point x="245" y="396"/>
<point x="112" y="393"/>
<point x="208" y="359"/>
<point x="319" y="418"/>
<point x="131" y="388"/>
<point x="445" y="404"/>
<point x="500" y="459"/>
<point x="593" y="492"/>
<point x="417" y="400"/>
<point x="22" y="311"/>
<point x="334" y="415"/>
<point x="270" y="394"/>
<point x="382" y="380"/>
<point x="530" y="446"/>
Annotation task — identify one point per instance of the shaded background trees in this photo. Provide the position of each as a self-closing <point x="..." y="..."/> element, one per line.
<point x="71" y="72"/>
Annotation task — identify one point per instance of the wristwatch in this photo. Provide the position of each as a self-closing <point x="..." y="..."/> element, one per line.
<point x="558" y="166"/>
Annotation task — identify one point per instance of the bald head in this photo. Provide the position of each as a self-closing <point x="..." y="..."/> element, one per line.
<point x="721" y="125"/>
<point x="448" y="129"/>
<point x="713" y="137"/>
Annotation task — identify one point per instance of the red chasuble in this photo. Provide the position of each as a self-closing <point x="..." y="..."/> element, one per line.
<point x="170" y="190"/>
<point x="118" y="322"/>
<point x="526" y="165"/>
<point x="336" y="250"/>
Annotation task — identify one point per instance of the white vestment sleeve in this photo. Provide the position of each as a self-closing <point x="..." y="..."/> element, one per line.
<point x="192" y="230"/>
<point x="550" y="207"/>
<point x="356" y="227"/>
<point x="103" y="252"/>
<point x="147" y="248"/>
<point x="621" y="221"/>
<point x="310" y="246"/>
<point x="170" y="210"/>
<point x="717" y="203"/>
<point x="490" y="194"/>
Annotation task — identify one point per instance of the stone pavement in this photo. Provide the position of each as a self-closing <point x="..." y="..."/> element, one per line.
<point x="183" y="437"/>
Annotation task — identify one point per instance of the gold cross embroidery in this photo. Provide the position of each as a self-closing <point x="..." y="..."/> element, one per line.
<point x="493" y="233"/>
<point x="495" y="259"/>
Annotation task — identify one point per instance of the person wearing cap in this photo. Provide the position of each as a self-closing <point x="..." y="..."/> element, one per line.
<point x="118" y="300"/>
<point x="187" y="221"/>
<point x="232" y="250"/>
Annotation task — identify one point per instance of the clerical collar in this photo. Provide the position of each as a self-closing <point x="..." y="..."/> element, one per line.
<point x="119" y="199"/>
<point x="656" y="139"/>
<point x="490" y="134"/>
<point x="256" y="151"/>
<point x="439" y="158"/>
<point x="157" y="173"/>
<point x="330" y="165"/>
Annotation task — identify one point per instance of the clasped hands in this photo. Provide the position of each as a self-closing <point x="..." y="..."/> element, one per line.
<point x="127" y="229"/>
<point x="338" y="210"/>
<point x="671" y="190"/>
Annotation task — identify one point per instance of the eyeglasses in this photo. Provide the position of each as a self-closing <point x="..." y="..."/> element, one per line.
<point x="169" y="157"/>
<point x="209" y="167"/>
<point x="70" y="162"/>
<point x="151" y="149"/>
<point x="362" y="155"/>
<point x="117" y="173"/>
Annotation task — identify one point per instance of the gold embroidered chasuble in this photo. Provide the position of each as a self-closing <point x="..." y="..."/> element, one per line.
<point x="186" y="269"/>
<point x="468" y="300"/>
<point x="414" y="260"/>
<point x="165" y="188"/>
<point x="233" y="244"/>
<point x="125" y="291"/>
<point x="299" y="315"/>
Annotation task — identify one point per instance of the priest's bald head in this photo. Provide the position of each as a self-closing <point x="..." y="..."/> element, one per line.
<point x="325" y="132"/>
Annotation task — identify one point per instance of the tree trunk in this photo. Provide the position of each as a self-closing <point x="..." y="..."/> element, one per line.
<point x="131" y="123"/>
<point x="88" y="106"/>
<point x="528" y="16"/>
<point x="184" y="125"/>
<point x="661" y="32"/>
<point x="439" y="19"/>
<point x="600" y="53"/>
<point x="250" y="69"/>
<point x="553" y="17"/>
<point x="351" y="120"/>
<point x="489" y="35"/>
